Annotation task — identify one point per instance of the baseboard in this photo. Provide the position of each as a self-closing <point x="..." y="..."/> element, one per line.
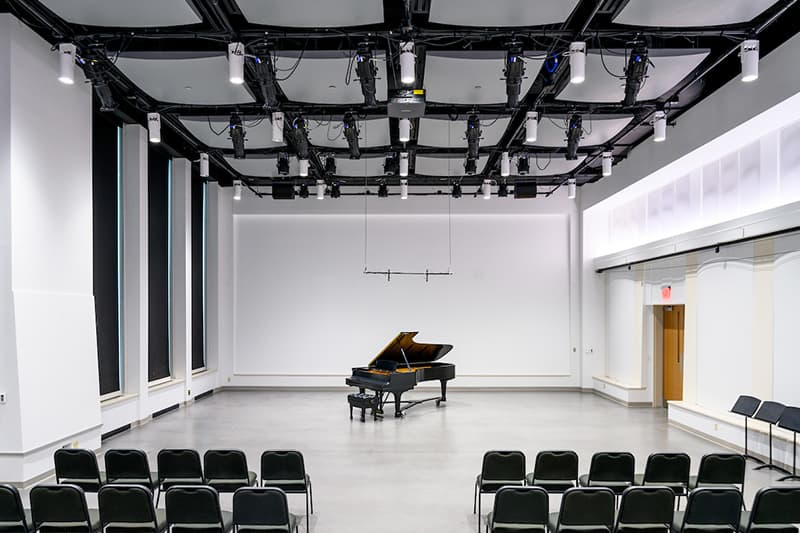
<point x="620" y="402"/>
<point x="424" y="388"/>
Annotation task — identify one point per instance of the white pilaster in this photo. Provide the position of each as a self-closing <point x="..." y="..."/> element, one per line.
<point x="182" y="272"/>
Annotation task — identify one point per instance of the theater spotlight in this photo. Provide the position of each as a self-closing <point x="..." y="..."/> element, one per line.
<point x="403" y="164"/>
<point x="320" y="189"/>
<point x="574" y="134"/>
<point x="635" y="73"/>
<point x="237" y="189"/>
<point x="502" y="190"/>
<point x="277" y="127"/>
<point x="577" y="62"/>
<point x="407" y="61"/>
<point x="390" y="164"/>
<point x="505" y="164"/>
<point x="523" y="164"/>
<point x="265" y="76"/>
<point x="336" y="190"/>
<point x="236" y="131"/>
<point x="383" y="190"/>
<point x="531" y="126"/>
<point x="486" y="189"/>
<point x="204" y="166"/>
<point x="404" y="189"/>
<point x="366" y="71"/>
<point x="471" y="166"/>
<point x="154" y="127"/>
<point x="473" y="135"/>
<point x="514" y="71"/>
<point x="303" y="190"/>
<point x="330" y="165"/>
<point x="749" y="52"/>
<point x="572" y="188"/>
<point x="608" y="160"/>
<point x="283" y="164"/>
<point x="302" y="167"/>
<point x="660" y="126"/>
<point x="405" y="130"/>
<point x="456" y="190"/>
<point x="351" y="135"/>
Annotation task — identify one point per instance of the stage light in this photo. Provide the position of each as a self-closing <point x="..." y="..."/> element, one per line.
<point x="299" y="137"/>
<point x="608" y="159"/>
<point x="366" y="71"/>
<point x="486" y="188"/>
<point x="515" y="69"/>
<point x="95" y="69"/>
<point x="204" y="166"/>
<point x="154" y="127"/>
<point x="383" y="190"/>
<point x="303" y="190"/>
<point x="523" y="164"/>
<point x="456" y="190"/>
<point x="473" y="135"/>
<point x="236" y="63"/>
<point x="330" y="165"/>
<point x="351" y="135"/>
<point x="336" y="191"/>
<point x="405" y="130"/>
<point x="66" y="59"/>
<point x="471" y="166"/>
<point x="265" y="76"/>
<point x="749" y="53"/>
<point x="403" y="164"/>
<point x="236" y="131"/>
<point x="277" y="127"/>
<point x="577" y="62"/>
<point x="391" y="164"/>
<point x="502" y="190"/>
<point x="572" y="188"/>
<point x="302" y="167"/>
<point x="660" y="127"/>
<point x="320" y="189"/>
<point x="635" y="73"/>
<point x="531" y="126"/>
<point x="407" y="60"/>
<point x="574" y="134"/>
<point x="283" y="164"/>
<point x="237" y="189"/>
<point x="505" y="164"/>
<point x="404" y="189"/>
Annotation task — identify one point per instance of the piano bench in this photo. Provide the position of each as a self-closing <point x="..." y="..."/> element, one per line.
<point x="363" y="401"/>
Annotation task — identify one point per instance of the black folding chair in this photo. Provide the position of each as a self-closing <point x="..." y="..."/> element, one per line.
<point x="614" y="470"/>
<point x="195" y="509"/>
<point x="646" y="509"/>
<point x="286" y="470"/>
<point x="519" y="509"/>
<point x="668" y="470"/>
<point x="14" y="518"/>
<point x="129" y="509"/>
<point x="499" y="468"/>
<point x="710" y="510"/>
<point x="775" y="510"/>
<point x="256" y="509"/>
<point x="554" y="471"/>
<point x="584" y="510"/>
<point x="226" y="470"/>
<point x="720" y="470"/>
<point x="178" y="467"/>
<point x="62" y="508"/>
<point x="78" y="467"/>
<point x="130" y="467"/>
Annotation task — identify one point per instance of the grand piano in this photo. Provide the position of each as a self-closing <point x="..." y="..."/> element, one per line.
<point x="399" y="367"/>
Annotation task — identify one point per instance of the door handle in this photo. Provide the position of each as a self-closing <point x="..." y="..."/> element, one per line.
<point x="679" y="357"/>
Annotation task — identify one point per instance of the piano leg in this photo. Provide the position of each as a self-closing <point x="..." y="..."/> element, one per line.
<point x="444" y="389"/>
<point x="397" y="411"/>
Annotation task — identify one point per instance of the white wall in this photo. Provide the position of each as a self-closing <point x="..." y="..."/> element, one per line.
<point x="786" y="354"/>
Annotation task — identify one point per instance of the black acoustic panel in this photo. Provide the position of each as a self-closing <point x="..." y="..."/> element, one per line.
<point x="198" y="304"/>
<point x="770" y="412"/>
<point x="158" y="264"/>
<point x="283" y="191"/>
<point x="746" y="405"/>
<point x="790" y="419"/>
<point x="525" y="190"/>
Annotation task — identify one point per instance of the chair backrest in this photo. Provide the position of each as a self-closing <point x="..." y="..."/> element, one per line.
<point x="520" y="507"/>
<point x="59" y="508"/>
<point x="225" y="468"/>
<point x="192" y="508"/>
<point x="256" y="509"/>
<point x="721" y="469"/>
<point x="612" y="469"/>
<point x="587" y="508"/>
<point x="774" y="507"/>
<point x="127" y="466"/>
<point x="77" y="467"/>
<point x="12" y="514"/>
<point x="646" y="507"/>
<point x="713" y="509"/>
<point x="179" y="467"/>
<point x="282" y="466"/>
<point x="507" y="467"/>
<point x="667" y="469"/>
<point x="556" y="466"/>
<point x="126" y="508"/>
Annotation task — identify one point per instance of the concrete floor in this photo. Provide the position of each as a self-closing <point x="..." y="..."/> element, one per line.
<point x="416" y="473"/>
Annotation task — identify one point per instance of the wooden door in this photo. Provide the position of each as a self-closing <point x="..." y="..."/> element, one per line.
<point x="673" y="352"/>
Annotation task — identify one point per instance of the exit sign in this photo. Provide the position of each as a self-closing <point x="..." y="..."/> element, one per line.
<point x="666" y="293"/>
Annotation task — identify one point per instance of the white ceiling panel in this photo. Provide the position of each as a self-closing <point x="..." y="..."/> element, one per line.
<point x="684" y="13"/>
<point x="472" y="77"/>
<point x="312" y="13"/>
<point x="501" y="12"/>
<point x="214" y="132"/>
<point x="184" y="79"/>
<point x="125" y="13"/>
<point x="327" y="132"/>
<point x="262" y="167"/>
<point x="668" y="68"/>
<point x="322" y="77"/>
<point x="366" y="166"/>
<point x="447" y="133"/>
<point x="543" y="165"/>
<point x="443" y="166"/>
<point x="552" y="130"/>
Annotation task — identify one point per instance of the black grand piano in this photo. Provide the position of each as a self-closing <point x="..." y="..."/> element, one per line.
<point x="398" y="368"/>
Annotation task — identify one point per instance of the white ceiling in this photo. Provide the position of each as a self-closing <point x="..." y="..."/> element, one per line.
<point x="366" y="166"/>
<point x="327" y="132"/>
<point x="444" y="132"/>
<point x="501" y="12"/>
<point x="677" y="13"/>
<point x="668" y="68"/>
<point x="321" y="77"/>
<point x="552" y="130"/>
<point x="472" y="77"/>
<point x="266" y="167"/>
<point x="312" y="13"/>
<point x="258" y="131"/>
<point x="124" y="13"/>
<point x="184" y="79"/>
<point x="548" y="166"/>
<point x="444" y="165"/>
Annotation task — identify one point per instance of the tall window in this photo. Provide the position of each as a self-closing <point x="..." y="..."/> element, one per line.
<point x="159" y="262"/>
<point x="107" y="250"/>
<point x="198" y="273"/>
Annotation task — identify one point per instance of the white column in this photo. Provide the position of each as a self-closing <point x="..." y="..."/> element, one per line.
<point x="219" y="283"/>
<point x="763" y="323"/>
<point x="182" y="272"/>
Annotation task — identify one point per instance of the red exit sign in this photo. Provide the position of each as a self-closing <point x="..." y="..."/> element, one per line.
<point x="666" y="293"/>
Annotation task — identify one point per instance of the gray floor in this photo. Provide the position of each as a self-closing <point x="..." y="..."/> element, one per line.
<point x="416" y="473"/>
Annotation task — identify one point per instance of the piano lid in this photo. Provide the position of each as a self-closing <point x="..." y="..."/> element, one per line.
<point x="416" y="352"/>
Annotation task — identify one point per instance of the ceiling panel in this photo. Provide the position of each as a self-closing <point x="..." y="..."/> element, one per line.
<point x="447" y="133"/>
<point x="443" y="165"/>
<point x="262" y="167"/>
<point x="366" y="166"/>
<point x="543" y="165"/>
<point x="327" y="132"/>
<point x="322" y="77"/>
<point x="501" y="12"/>
<point x="473" y="77"/>
<point x="313" y="13"/>
<point x="125" y="13"/>
<point x="690" y="13"/>
<point x="184" y="78"/>
<point x="213" y="132"/>
<point x="668" y="68"/>
<point x="552" y="130"/>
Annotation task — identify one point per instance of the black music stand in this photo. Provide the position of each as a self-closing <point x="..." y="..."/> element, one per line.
<point x="790" y="419"/>
<point x="770" y="412"/>
<point x="747" y="407"/>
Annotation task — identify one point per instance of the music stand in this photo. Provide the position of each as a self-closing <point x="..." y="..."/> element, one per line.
<point x="747" y="407"/>
<point x="790" y="419"/>
<point x="770" y="412"/>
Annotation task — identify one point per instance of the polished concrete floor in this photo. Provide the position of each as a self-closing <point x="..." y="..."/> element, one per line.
<point x="415" y="473"/>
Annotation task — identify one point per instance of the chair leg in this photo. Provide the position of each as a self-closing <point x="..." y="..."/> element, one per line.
<point x="308" y="518"/>
<point x="475" y="498"/>
<point x="311" y="496"/>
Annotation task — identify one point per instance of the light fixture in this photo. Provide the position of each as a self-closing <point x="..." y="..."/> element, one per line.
<point x="66" y="60"/>
<point x="607" y="161"/>
<point x="505" y="164"/>
<point x="277" y="127"/>
<point x="336" y="191"/>
<point x="635" y="73"/>
<point x="390" y="164"/>
<point x="471" y="166"/>
<point x="515" y="69"/>
<point x="264" y="71"/>
<point x="404" y="189"/>
<point x="204" y="166"/>
<point x="572" y="187"/>
<point x="407" y="63"/>
<point x="531" y="126"/>
<point x="749" y="54"/>
<point x="330" y="165"/>
<point x="486" y="188"/>
<point x="502" y="190"/>
<point x="383" y="190"/>
<point x="96" y="71"/>
<point x="303" y="190"/>
<point x="577" y="62"/>
<point x="574" y="134"/>
<point x="523" y="164"/>
<point x="236" y="63"/>
<point x="236" y="131"/>
<point x="320" y="189"/>
<point x="405" y="130"/>
<point x="403" y="164"/>
<point x="237" y="189"/>
<point x="660" y="126"/>
<point x="351" y="134"/>
<point x="154" y="127"/>
<point x="283" y="164"/>
<point x="473" y="135"/>
<point x="302" y="167"/>
<point x="456" y="190"/>
<point x="300" y="137"/>
<point x="366" y="71"/>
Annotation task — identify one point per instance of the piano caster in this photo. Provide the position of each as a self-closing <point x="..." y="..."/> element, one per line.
<point x="438" y="402"/>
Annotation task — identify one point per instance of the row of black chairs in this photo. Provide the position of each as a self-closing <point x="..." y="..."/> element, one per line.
<point x="129" y="509"/>
<point x="644" y="509"/>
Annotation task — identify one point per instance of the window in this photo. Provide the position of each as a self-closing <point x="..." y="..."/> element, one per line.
<point x="159" y="264"/>
<point x="198" y="273"/>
